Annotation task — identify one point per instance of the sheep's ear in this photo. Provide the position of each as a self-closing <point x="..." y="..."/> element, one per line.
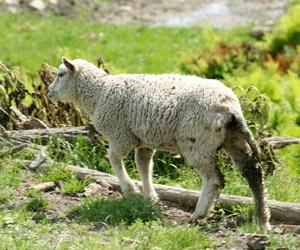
<point x="68" y="64"/>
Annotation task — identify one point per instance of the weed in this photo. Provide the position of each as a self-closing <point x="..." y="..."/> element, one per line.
<point x="128" y="209"/>
<point x="70" y="183"/>
<point x="74" y="186"/>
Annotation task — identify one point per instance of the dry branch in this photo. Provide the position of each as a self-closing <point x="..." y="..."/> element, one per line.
<point x="34" y="134"/>
<point x="281" y="142"/>
<point x="41" y="158"/>
<point x="283" y="211"/>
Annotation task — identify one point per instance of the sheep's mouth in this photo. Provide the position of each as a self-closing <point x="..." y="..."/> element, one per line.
<point x="53" y="96"/>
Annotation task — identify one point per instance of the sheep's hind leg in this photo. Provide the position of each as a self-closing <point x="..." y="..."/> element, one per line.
<point x="116" y="160"/>
<point x="252" y="171"/>
<point x="144" y="162"/>
<point x="212" y="182"/>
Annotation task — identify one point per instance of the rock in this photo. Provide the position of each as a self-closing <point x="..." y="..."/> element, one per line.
<point x="125" y="8"/>
<point x="33" y="123"/>
<point x="92" y="189"/>
<point x="11" y="2"/>
<point x="45" y="186"/>
<point x="12" y="9"/>
<point x="259" y="31"/>
<point x="258" y="242"/>
<point x="37" y="5"/>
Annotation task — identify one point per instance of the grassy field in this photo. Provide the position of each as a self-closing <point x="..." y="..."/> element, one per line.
<point x="28" y="41"/>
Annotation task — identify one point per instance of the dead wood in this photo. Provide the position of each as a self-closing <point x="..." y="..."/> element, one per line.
<point x="25" y="122"/>
<point x="281" y="142"/>
<point x="21" y="117"/>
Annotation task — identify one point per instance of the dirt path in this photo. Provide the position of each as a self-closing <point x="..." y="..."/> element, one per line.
<point x="175" y="13"/>
<point x="186" y="13"/>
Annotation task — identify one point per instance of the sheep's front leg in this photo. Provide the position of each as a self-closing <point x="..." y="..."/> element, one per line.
<point x="212" y="181"/>
<point x="116" y="160"/>
<point x="144" y="162"/>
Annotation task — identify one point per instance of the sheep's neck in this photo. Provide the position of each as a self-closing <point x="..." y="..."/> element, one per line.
<point x="86" y="99"/>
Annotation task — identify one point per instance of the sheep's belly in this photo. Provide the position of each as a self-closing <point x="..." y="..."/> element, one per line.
<point x="168" y="145"/>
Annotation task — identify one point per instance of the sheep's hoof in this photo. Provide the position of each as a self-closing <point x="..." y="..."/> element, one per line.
<point x="266" y="227"/>
<point x="132" y="189"/>
<point x="196" y="218"/>
<point x="154" y="197"/>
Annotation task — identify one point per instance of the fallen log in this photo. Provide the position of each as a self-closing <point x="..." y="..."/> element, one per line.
<point x="72" y="132"/>
<point x="287" y="212"/>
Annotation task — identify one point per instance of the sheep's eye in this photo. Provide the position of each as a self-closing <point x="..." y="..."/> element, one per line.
<point x="60" y="74"/>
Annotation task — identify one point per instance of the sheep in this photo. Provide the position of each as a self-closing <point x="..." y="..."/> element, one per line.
<point x="186" y="115"/>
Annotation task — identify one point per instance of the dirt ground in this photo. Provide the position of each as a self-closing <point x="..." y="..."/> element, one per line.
<point x="175" y="13"/>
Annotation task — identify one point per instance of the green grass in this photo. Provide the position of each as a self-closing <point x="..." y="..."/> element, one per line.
<point x="10" y="178"/>
<point x="29" y="40"/>
<point x="128" y="209"/>
<point x="155" y="235"/>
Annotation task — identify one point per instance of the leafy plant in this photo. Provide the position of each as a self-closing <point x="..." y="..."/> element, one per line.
<point x="74" y="186"/>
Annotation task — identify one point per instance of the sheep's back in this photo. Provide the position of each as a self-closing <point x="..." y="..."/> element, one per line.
<point x="160" y="108"/>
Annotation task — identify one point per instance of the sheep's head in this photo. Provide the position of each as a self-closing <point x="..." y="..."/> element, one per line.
<point x="63" y="86"/>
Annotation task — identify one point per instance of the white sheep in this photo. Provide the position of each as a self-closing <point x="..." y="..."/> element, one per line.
<point x="182" y="114"/>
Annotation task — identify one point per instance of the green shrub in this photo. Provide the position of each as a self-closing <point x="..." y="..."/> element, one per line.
<point x="36" y="205"/>
<point x="286" y="33"/>
<point x="127" y="209"/>
<point x="215" y="62"/>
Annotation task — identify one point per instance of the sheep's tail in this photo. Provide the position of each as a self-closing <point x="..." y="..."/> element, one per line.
<point x="242" y="127"/>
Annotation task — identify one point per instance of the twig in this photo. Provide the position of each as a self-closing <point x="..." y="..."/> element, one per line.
<point x="39" y="160"/>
